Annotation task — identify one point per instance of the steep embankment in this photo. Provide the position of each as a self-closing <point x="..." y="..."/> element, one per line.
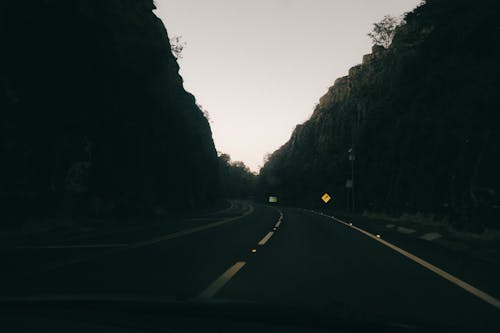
<point x="422" y="116"/>
<point x="94" y="116"/>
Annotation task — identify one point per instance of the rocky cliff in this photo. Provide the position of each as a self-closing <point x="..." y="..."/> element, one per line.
<point x="422" y="117"/>
<point x="94" y="116"/>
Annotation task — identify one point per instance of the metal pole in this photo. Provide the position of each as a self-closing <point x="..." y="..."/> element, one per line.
<point x="352" y="157"/>
<point x="347" y="199"/>
<point x="352" y="178"/>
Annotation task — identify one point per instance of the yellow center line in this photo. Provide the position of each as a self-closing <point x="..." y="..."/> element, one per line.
<point x="221" y="281"/>
<point x="266" y="238"/>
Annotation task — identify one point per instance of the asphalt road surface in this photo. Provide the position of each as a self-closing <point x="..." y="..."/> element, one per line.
<point x="258" y="253"/>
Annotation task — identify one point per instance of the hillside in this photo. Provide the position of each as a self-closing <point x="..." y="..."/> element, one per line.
<point x="94" y="116"/>
<point x="422" y="117"/>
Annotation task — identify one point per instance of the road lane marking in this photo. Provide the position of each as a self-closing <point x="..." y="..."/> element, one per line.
<point x="453" y="279"/>
<point x="76" y="246"/>
<point x="154" y="241"/>
<point x="147" y="242"/>
<point x="189" y="231"/>
<point x="431" y="236"/>
<point x="266" y="238"/>
<point x="221" y="281"/>
<point x="280" y="219"/>
<point x="227" y="275"/>
<point x="406" y="231"/>
<point x="231" y="206"/>
<point x="200" y="219"/>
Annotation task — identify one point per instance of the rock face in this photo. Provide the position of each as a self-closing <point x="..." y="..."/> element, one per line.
<point x="422" y="117"/>
<point x="94" y="116"/>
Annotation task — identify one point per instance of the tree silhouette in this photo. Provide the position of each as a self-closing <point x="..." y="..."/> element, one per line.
<point x="383" y="31"/>
<point x="177" y="46"/>
<point x="236" y="178"/>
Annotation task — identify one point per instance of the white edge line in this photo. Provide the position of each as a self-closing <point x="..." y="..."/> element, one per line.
<point x="221" y="280"/>
<point x="150" y="241"/>
<point x="404" y="230"/>
<point x="431" y="236"/>
<point x="193" y="230"/>
<point x="174" y="235"/>
<point x="200" y="219"/>
<point x="278" y="224"/>
<point x="89" y="246"/>
<point x="453" y="279"/>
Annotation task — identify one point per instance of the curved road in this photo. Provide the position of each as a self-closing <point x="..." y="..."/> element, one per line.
<point x="271" y="255"/>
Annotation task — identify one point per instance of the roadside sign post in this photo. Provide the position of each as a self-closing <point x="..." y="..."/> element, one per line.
<point x="350" y="182"/>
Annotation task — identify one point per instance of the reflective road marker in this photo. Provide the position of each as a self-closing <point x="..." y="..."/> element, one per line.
<point x="451" y="278"/>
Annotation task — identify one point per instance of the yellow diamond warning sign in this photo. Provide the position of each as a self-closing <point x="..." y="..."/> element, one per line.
<point x="326" y="197"/>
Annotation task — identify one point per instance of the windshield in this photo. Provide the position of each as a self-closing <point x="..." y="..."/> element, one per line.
<point x="333" y="156"/>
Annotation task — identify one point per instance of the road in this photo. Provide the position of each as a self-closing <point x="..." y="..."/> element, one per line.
<point x="252" y="252"/>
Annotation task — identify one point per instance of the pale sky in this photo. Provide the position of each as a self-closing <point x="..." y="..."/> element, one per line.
<point x="259" y="66"/>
